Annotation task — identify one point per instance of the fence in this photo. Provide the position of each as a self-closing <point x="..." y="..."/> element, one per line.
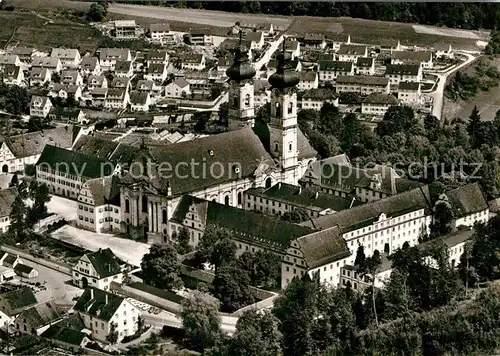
<point x="58" y="266"/>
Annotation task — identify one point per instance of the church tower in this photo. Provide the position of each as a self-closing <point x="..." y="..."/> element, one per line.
<point x="241" y="90"/>
<point x="283" y="123"/>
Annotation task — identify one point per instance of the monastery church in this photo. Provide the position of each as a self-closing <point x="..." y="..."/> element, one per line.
<point x="250" y="155"/>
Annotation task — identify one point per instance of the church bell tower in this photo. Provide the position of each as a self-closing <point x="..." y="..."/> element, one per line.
<point x="241" y="90"/>
<point x="283" y="127"/>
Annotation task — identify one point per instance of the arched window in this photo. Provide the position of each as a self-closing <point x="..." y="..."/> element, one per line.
<point x="290" y="146"/>
<point x="226" y="200"/>
<point x="247" y="100"/>
<point x="127" y="206"/>
<point x="144" y="204"/>
<point x="239" y="198"/>
<point x="290" y="107"/>
<point x="278" y="110"/>
<point x="276" y="146"/>
<point x="268" y="182"/>
<point x="164" y="216"/>
<point x="235" y="102"/>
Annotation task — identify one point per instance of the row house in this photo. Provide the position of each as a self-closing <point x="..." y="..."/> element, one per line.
<point x="98" y="269"/>
<point x="338" y="39"/>
<point x="66" y="91"/>
<point x="39" y="76"/>
<point x="116" y="98"/>
<point x="351" y="53"/>
<point x="157" y="73"/>
<point x="96" y="81"/>
<point x="109" y="56"/>
<point x="160" y="33"/>
<point x="193" y="61"/>
<point x="403" y="73"/>
<point x="378" y="103"/>
<point x="424" y="58"/>
<point x="139" y="100"/>
<point x="330" y="70"/>
<point x="70" y="58"/>
<point x="315" y="98"/>
<point x="68" y="114"/>
<point x="409" y="93"/>
<point x="71" y="77"/>
<point x="363" y="84"/>
<point x="13" y="75"/>
<point x="51" y="63"/>
<point x="308" y="80"/>
<point x="365" y="66"/>
<point x="179" y="88"/>
<point x="90" y="66"/>
<point x="40" y="106"/>
<point x="124" y="69"/>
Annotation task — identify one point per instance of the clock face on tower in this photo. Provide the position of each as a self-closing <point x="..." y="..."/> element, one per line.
<point x="276" y="91"/>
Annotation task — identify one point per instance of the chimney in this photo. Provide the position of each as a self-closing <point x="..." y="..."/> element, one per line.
<point x="106" y="296"/>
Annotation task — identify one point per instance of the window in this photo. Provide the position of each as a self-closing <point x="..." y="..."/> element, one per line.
<point x="164" y="216"/>
<point x="127" y="206"/>
<point x="247" y="100"/>
<point x="290" y="107"/>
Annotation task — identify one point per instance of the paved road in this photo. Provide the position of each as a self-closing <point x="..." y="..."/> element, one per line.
<point x="438" y="94"/>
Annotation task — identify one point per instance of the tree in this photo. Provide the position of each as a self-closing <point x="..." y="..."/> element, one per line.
<point x="371" y="265"/>
<point x="14" y="182"/>
<point x="112" y="337"/>
<point x="18" y="214"/>
<point x="216" y="247"/>
<point x="297" y="215"/>
<point x="443" y="217"/>
<point x="98" y="11"/>
<point x="161" y="267"/>
<point x="231" y="287"/>
<point x="140" y="323"/>
<point x="182" y="242"/>
<point x="201" y="321"/>
<point x="360" y="261"/>
<point x="397" y="119"/>
<point x="126" y="278"/>
<point x="39" y="193"/>
<point x="474" y="127"/>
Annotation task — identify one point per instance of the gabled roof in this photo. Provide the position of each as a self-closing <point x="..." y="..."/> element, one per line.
<point x="89" y="63"/>
<point x="402" y="69"/>
<point x="66" y="53"/>
<point x="181" y="82"/>
<point x="145" y="85"/>
<point x="116" y="93"/>
<point x="156" y="68"/>
<point x="193" y="58"/>
<point x="98" y="303"/>
<point x="418" y="56"/>
<point x="96" y="80"/>
<point x="8" y="59"/>
<point x="105" y="262"/>
<point x="115" y="53"/>
<point x="409" y="86"/>
<point x="362" y="79"/>
<point x="255" y="36"/>
<point x="39" y="100"/>
<point x="65" y="335"/>
<point x="7" y="198"/>
<point x="320" y="94"/>
<point x="46" y="62"/>
<point x="138" y="97"/>
<point x="39" y="72"/>
<point x="156" y="55"/>
<point x="380" y="98"/>
<point x="41" y="314"/>
<point x="364" y="62"/>
<point x="243" y="224"/>
<point x="12" y="71"/>
<point x="323" y="247"/>
<point x="292" y="45"/>
<point x="123" y="66"/>
<point x="15" y="301"/>
<point x="104" y="190"/>
<point x="22" y="268"/>
<point x="10" y="259"/>
<point x="352" y="50"/>
<point x="337" y="37"/>
<point x="335" y="66"/>
<point x="466" y="200"/>
<point x="120" y="82"/>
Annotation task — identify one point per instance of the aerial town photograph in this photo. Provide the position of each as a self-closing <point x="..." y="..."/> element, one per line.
<point x="249" y="178"/>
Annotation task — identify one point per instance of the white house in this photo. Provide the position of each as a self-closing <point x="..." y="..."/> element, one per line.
<point x="365" y="66"/>
<point x="338" y="39"/>
<point x="363" y="84"/>
<point x="351" y="53"/>
<point x="308" y="80"/>
<point x="389" y="45"/>
<point x="330" y="70"/>
<point x="70" y="58"/>
<point x="13" y="75"/>
<point x="13" y="303"/>
<point x="315" y="98"/>
<point x="99" y="310"/>
<point x="124" y="69"/>
<point x="409" y="93"/>
<point x="156" y="57"/>
<point x="403" y="73"/>
<point x="293" y="48"/>
<point x="139" y="100"/>
<point x="378" y="103"/>
<point x="126" y="29"/>
<point x="256" y="39"/>
<point x="7" y="197"/>
<point x="66" y="91"/>
<point x="442" y="50"/>
<point x="90" y="66"/>
<point x="40" y="106"/>
<point x="71" y="77"/>
<point x="155" y="91"/>
<point x="38" y="318"/>
<point x="96" y="81"/>
<point x="413" y="57"/>
<point x="9" y="59"/>
<point x="98" y="269"/>
<point x="109" y="56"/>
<point x="116" y="98"/>
<point x="51" y="63"/>
<point x="156" y="73"/>
<point x="160" y="33"/>
<point x="177" y="89"/>
<point x="39" y="76"/>
<point x="193" y="61"/>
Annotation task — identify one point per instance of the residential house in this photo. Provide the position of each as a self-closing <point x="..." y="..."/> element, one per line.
<point x="25" y="271"/>
<point x="266" y="28"/>
<point x="363" y="84"/>
<point x="155" y="91"/>
<point x="193" y="61"/>
<point x="308" y="80"/>
<point x="13" y="303"/>
<point x="424" y="58"/>
<point x="284" y="198"/>
<point x="313" y="40"/>
<point x="51" y="63"/>
<point x="39" y="76"/>
<point x="7" y="197"/>
<point x="293" y="48"/>
<point x="156" y="73"/>
<point x="13" y="75"/>
<point x="66" y="91"/>
<point x="160" y="33"/>
<point x="223" y="63"/>
<point x="65" y="171"/>
<point x="199" y="38"/>
<point x="359" y="282"/>
<point x="272" y="65"/>
<point x="9" y="59"/>
<point x="67" y="114"/>
<point x="378" y="103"/>
<point x="139" y="101"/>
<point x="120" y="83"/>
<point x="261" y="93"/>
<point x="179" y="88"/>
<point x="157" y="57"/>
<point x="70" y="58"/>
<point x="116" y="98"/>
<point x="109" y="56"/>
<point x="98" y="269"/>
<point x="256" y="39"/>
<point x="40" y="106"/>
<point x="124" y="69"/>
<point x="21" y="150"/>
<point x="330" y="70"/>
<point x="96" y="81"/>
<point x="71" y="77"/>
<point x="365" y="66"/>
<point x="98" y="96"/>
<point x="25" y="54"/>
<point x="9" y="260"/>
<point x="72" y="340"/>
<point x="126" y="30"/>
<point x="100" y="309"/>
<point x="351" y="53"/>
<point x="38" y="318"/>
<point x="338" y="39"/>
<point x="389" y="45"/>
<point x="229" y="44"/>
<point x="315" y="98"/>
<point x="409" y="93"/>
<point x="442" y="50"/>
<point x="90" y="66"/>
<point x="403" y="73"/>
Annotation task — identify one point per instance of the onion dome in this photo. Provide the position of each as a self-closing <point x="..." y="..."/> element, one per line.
<point x="241" y="69"/>
<point x="285" y="76"/>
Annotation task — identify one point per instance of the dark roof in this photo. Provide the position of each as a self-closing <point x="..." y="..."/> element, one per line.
<point x="116" y="93"/>
<point x="75" y="163"/>
<point x="117" y="53"/>
<point x="245" y="225"/>
<point x="320" y="94"/>
<point x="22" y="268"/>
<point x="303" y="197"/>
<point x="224" y="61"/>
<point x="10" y="259"/>
<point x="380" y="98"/>
<point x="335" y="66"/>
<point x="120" y="82"/>
<point x="352" y="49"/>
<point x="402" y="69"/>
<point x="232" y="43"/>
<point x="15" y="301"/>
<point x="419" y="56"/>
<point x="7" y="198"/>
<point x="388" y="43"/>
<point x="193" y="58"/>
<point x="104" y="190"/>
<point x="159" y="27"/>
<point x="94" y="146"/>
<point x="468" y="199"/>
<point x="362" y="79"/>
<point x="364" y="62"/>
<point x="156" y="55"/>
<point x="138" y="97"/>
<point x="144" y="85"/>
<point x="364" y="215"/>
<point x="337" y="37"/>
<point x="89" y="62"/>
<point x="322" y="247"/>
<point x="105" y="262"/>
<point x="98" y="79"/>
<point x="241" y="148"/>
<point x="254" y="36"/>
<point x="123" y="66"/>
<point x="96" y="305"/>
<point x="308" y="76"/>
<point x="41" y="314"/>
<point x="156" y="68"/>
<point x="58" y="333"/>
<point x="408" y="85"/>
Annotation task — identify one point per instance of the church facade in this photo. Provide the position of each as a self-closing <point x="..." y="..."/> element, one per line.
<point x="220" y="167"/>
